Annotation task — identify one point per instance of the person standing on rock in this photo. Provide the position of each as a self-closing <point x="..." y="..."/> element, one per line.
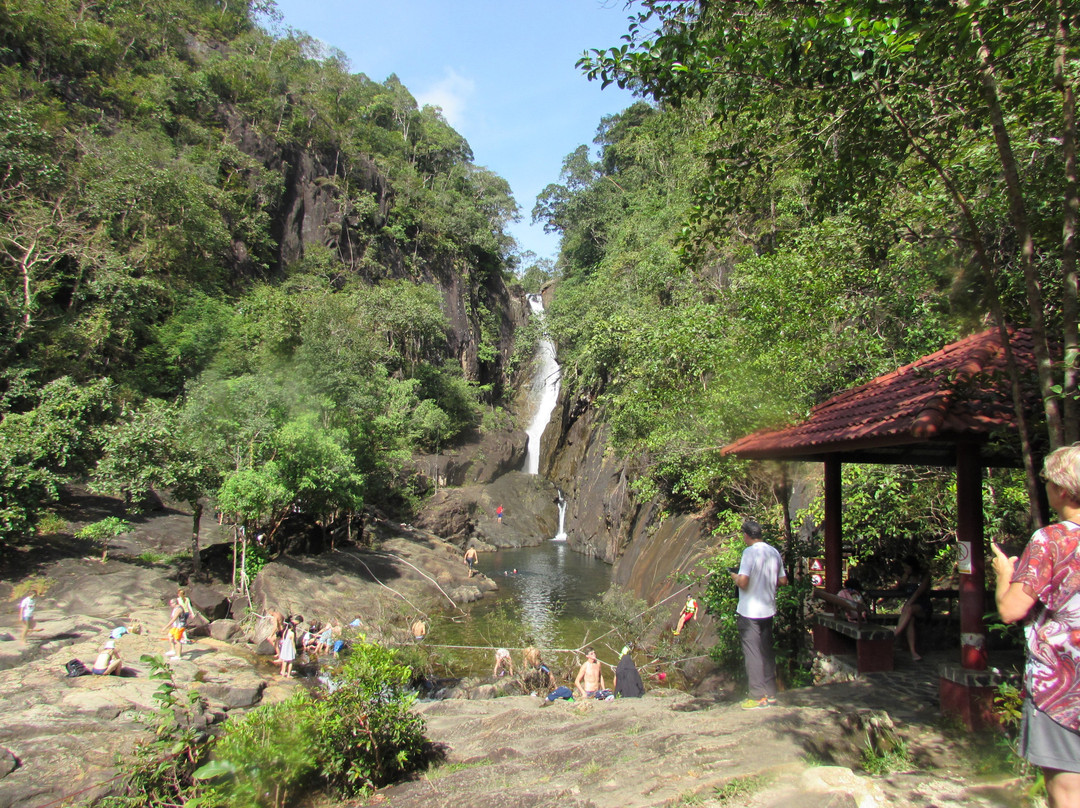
<point x="471" y="558"/>
<point x="761" y="571"/>
<point x="26" y="614"/>
<point x="498" y="514"/>
<point x="1042" y="588"/>
<point x="188" y="612"/>
<point x="287" y="652"/>
<point x="175" y="628"/>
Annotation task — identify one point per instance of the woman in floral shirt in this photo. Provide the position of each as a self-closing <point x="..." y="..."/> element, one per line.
<point x="1043" y="587"/>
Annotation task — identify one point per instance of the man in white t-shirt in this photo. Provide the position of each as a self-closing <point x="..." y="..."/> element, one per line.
<point x="26" y="614"/>
<point x="761" y="571"/>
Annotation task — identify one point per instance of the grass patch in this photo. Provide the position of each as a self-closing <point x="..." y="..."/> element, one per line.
<point x="592" y="768"/>
<point x="688" y="798"/>
<point x="737" y="789"/>
<point x="450" y="768"/>
<point x="896" y="759"/>
<point x="51" y="523"/>
<point x="154" y="557"/>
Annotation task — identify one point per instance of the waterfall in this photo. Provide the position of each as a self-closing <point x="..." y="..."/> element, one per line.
<point x="561" y="535"/>
<point x="545" y="390"/>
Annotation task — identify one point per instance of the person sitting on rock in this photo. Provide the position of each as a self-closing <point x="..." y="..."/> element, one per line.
<point x="419" y="630"/>
<point x="504" y="665"/>
<point x="108" y="662"/>
<point x="590" y="678"/>
<point x="538" y="676"/>
<point x="628" y="682"/>
<point x="309" y="641"/>
<point x="326" y="637"/>
<point x="689" y="612"/>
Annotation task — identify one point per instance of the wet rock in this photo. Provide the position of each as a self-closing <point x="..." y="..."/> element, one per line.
<point x="482" y="461"/>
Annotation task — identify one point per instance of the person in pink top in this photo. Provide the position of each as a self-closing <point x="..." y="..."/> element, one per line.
<point x="1043" y="589"/>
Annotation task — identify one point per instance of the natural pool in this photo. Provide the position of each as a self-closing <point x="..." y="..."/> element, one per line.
<point x="542" y="600"/>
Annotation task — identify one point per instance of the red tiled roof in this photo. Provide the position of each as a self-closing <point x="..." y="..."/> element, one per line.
<point x="958" y="393"/>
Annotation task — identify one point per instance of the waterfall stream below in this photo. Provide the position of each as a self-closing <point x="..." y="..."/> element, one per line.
<point x="543" y="590"/>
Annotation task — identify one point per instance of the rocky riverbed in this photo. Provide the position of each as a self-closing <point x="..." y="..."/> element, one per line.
<point x="60" y="737"/>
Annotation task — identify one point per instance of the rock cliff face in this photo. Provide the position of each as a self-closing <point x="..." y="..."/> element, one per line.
<point x="605" y="519"/>
<point x="314" y="212"/>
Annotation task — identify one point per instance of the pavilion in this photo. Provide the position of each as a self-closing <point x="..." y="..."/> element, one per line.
<point x="952" y="408"/>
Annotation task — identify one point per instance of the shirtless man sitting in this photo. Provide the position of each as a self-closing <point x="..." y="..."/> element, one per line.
<point x="590" y="678"/>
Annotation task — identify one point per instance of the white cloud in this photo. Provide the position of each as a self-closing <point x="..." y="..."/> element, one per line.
<point x="451" y="94"/>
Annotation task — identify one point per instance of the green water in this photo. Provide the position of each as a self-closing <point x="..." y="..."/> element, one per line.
<point x="542" y="604"/>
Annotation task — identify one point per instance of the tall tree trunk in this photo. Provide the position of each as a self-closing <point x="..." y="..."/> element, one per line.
<point x="1070" y="307"/>
<point x="1018" y="214"/>
<point x="196" y="519"/>
<point x="1031" y="472"/>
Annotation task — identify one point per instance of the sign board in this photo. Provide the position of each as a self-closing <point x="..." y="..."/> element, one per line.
<point x="963" y="557"/>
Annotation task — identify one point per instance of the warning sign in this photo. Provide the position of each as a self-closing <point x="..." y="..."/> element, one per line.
<point x="817" y="565"/>
<point x="817" y="579"/>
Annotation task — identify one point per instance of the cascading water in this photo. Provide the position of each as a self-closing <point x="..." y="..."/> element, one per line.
<point x="545" y="390"/>
<point x="561" y="535"/>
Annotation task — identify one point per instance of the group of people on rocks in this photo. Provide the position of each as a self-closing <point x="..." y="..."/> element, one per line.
<point x="589" y="683"/>
<point x="292" y="640"/>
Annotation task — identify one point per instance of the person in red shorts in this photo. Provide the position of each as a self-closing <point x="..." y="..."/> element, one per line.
<point x="689" y="612"/>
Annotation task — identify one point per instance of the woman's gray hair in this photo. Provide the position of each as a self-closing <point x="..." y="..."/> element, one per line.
<point x="1062" y="467"/>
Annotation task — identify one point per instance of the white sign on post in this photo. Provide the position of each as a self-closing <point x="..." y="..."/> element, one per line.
<point x="963" y="557"/>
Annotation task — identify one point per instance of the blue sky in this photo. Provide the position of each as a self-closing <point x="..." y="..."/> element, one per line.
<point x="502" y="71"/>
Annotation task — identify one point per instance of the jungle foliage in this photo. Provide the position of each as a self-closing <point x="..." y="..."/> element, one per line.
<point x="809" y="197"/>
<point x="162" y="325"/>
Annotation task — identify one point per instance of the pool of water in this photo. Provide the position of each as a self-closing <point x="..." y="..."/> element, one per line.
<point x="542" y="601"/>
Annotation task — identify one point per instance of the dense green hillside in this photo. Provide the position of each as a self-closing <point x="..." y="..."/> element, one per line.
<point x="811" y="196"/>
<point x="230" y="265"/>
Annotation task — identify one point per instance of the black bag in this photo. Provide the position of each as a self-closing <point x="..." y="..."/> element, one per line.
<point x="76" y="668"/>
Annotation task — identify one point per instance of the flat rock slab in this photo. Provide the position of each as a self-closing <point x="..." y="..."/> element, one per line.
<point x="665" y="749"/>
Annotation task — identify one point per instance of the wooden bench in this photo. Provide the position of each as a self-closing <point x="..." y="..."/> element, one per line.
<point x="871" y="643"/>
<point x="875" y="596"/>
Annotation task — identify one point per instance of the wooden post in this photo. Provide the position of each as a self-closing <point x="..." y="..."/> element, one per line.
<point x="970" y="556"/>
<point x="834" y="526"/>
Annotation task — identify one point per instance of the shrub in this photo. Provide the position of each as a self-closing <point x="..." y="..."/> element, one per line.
<point x="265" y="756"/>
<point x="367" y="734"/>
<point x="104" y="531"/>
<point x="160" y="771"/>
<point x="359" y="735"/>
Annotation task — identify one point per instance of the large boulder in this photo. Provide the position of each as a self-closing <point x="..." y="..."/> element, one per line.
<point x="530" y="512"/>
<point x="209" y="601"/>
<point x="480" y="461"/>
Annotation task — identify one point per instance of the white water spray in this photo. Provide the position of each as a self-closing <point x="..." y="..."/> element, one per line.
<point x="545" y="391"/>
<point x="561" y="535"/>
